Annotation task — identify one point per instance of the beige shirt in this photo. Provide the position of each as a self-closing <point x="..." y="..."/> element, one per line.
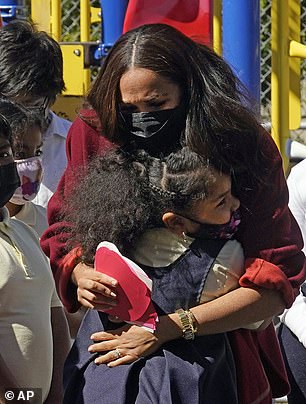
<point x="27" y="293"/>
<point x="159" y="248"/>
<point x="34" y="216"/>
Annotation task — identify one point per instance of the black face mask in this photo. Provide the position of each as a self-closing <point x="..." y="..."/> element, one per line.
<point x="224" y="231"/>
<point x="158" y="133"/>
<point x="9" y="182"/>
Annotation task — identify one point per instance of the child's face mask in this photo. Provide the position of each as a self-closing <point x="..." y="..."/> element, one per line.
<point x="30" y="174"/>
<point x="9" y="181"/>
<point x="226" y="230"/>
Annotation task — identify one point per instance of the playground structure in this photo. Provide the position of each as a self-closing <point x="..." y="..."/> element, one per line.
<point x="211" y="20"/>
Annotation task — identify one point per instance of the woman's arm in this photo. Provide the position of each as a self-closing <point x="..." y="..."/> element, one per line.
<point x="82" y="143"/>
<point x="295" y="317"/>
<point x="229" y="312"/>
<point x="268" y="229"/>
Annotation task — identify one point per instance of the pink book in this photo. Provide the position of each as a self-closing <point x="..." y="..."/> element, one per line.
<point x="133" y="290"/>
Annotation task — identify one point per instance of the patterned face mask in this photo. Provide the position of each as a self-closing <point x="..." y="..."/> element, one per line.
<point x="30" y="174"/>
<point x="226" y="230"/>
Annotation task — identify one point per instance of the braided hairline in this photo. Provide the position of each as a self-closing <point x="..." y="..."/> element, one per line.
<point x="160" y="190"/>
<point x="176" y="195"/>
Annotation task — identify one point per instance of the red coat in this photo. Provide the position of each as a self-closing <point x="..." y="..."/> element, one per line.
<point x="269" y="234"/>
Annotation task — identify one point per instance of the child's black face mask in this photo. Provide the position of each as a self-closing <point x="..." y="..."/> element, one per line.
<point x="9" y="182"/>
<point x="224" y="231"/>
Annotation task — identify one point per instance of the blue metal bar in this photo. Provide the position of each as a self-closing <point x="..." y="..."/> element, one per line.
<point x="12" y="9"/>
<point x="241" y="42"/>
<point x="12" y="3"/>
<point x="113" y="13"/>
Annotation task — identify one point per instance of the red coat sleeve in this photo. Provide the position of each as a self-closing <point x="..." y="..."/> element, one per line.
<point x="269" y="234"/>
<point x="83" y="142"/>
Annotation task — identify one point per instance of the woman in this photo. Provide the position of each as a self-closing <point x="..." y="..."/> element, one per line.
<point x="157" y="90"/>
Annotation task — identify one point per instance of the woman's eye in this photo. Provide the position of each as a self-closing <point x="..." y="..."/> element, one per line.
<point x="157" y="105"/>
<point x="127" y="108"/>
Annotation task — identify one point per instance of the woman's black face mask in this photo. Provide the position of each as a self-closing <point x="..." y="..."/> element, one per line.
<point x="157" y="132"/>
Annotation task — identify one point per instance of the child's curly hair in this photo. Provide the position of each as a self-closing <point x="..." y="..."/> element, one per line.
<point x="122" y="195"/>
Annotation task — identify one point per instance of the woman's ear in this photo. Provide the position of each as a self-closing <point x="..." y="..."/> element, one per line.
<point x="175" y="223"/>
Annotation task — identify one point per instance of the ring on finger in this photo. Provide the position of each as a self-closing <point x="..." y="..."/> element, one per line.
<point x="117" y="354"/>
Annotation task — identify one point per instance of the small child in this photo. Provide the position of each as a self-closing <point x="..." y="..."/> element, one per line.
<point x="176" y="218"/>
<point x="26" y="140"/>
<point x="33" y="330"/>
<point x="26" y="143"/>
<point x="31" y="73"/>
<point x="153" y="210"/>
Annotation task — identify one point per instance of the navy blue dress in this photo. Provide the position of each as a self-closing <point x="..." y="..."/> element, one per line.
<point x="187" y="372"/>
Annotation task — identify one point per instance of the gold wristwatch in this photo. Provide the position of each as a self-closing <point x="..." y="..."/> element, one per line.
<point x="187" y="321"/>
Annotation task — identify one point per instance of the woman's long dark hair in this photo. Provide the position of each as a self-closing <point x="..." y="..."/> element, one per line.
<point x="218" y="123"/>
<point x="123" y="195"/>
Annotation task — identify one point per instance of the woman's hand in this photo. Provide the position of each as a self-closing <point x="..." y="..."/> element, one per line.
<point x="131" y="342"/>
<point x="94" y="289"/>
<point x="123" y="345"/>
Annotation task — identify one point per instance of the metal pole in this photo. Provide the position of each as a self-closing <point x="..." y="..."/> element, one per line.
<point x="113" y="12"/>
<point x="84" y="20"/>
<point x="56" y="19"/>
<point x="241" y="42"/>
<point x="280" y="74"/>
<point x="217" y="26"/>
<point x="85" y="36"/>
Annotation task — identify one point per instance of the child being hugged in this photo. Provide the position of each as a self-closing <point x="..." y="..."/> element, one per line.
<point x="176" y="218"/>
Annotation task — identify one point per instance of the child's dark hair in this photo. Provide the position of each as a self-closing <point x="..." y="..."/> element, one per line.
<point x="31" y="62"/>
<point x="20" y="121"/>
<point x="122" y="195"/>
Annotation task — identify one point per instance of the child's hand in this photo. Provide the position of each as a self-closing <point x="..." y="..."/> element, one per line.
<point x="94" y="289"/>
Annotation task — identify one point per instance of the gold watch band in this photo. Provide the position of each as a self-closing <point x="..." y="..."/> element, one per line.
<point x="187" y="320"/>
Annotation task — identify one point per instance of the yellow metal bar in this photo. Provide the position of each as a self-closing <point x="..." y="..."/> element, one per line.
<point x="41" y="14"/>
<point x="217" y="26"/>
<point x="85" y="37"/>
<point x="47" y="15"/>
<point x="280" y="74"/>
<point x="297" y="50"/>
<point x="56" y="19"/>
<point x="95" y="14"/>
<point x="294" y="65"/>
<point x="85" y="20"/>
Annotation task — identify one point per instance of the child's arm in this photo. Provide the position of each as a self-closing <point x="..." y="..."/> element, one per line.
<point x="61" y="346"/>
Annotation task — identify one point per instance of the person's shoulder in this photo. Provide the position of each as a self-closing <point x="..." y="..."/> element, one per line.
<point x="299" y="170"/>
<point x="59" y="125"/>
